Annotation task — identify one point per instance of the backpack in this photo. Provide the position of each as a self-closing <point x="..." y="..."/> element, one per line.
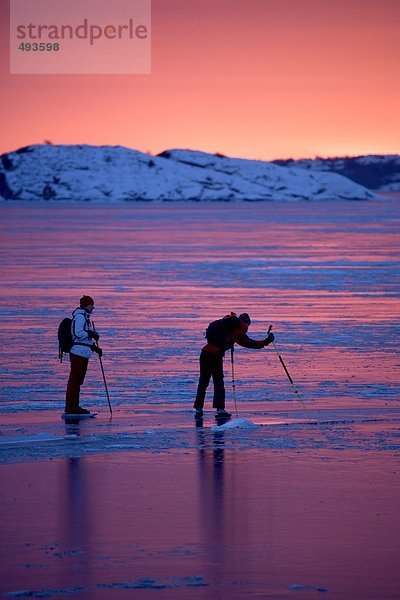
<point x="218" y="331"/>
<point x="65" y="341"/>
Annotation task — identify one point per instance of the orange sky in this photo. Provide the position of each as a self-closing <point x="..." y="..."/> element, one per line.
<point x="253" y="78"/>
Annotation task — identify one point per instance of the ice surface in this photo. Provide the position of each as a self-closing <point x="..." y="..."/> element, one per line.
<point x="202" y="524"/>
<point x="153" y="502"/>
<point x="175" y="432"/>
<point x="326" y="275"/>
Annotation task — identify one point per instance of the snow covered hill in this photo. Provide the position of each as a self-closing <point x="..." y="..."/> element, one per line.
<point x="109" y="173"/>
<point x="376" y="171"/>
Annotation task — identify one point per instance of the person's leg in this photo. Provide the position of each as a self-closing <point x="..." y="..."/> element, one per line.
<point x="79" y="366"/>
<point x="218" y="379"/>
<point x="204" y="380"/>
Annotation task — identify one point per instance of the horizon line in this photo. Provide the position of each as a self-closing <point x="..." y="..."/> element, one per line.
<point x="220" y="154"/>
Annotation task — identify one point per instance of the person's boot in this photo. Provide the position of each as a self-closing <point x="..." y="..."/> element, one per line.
<point x="77" y="411"/>
<point x="222" y="414"/>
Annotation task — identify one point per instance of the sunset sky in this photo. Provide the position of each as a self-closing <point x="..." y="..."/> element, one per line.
<point x="253" y="78"/>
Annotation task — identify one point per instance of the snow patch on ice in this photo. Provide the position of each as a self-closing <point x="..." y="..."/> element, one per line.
<point x="44" y="593"/>
<point x="148" y="583"/>
<point x="37" y="437"/>
<point x="235" y="424"/>
<point x="297" y="586"/>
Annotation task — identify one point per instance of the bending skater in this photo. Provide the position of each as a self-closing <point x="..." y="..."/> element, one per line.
<point x="221" y="336"/>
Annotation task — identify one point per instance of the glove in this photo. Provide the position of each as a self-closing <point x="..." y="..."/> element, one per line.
<point x="269" y="339"/>
<point x="98" y="351"/>
<point x="93" y="335"/>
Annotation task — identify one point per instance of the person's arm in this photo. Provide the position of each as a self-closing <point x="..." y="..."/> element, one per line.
<point x="78" y="329"/>
<point x="92" y="333"/>
<point x="247" y="342"/>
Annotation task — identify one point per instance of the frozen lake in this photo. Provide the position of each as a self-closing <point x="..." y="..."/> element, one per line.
<point x="325" y="274"/>
<point x="147" y="505"/>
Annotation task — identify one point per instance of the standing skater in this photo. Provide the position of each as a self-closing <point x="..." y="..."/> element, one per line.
<point x="221" y="336"/>
<point x="83" y="335"/>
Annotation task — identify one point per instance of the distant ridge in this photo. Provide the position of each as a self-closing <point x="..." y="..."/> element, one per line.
<point x="114" y="173"/>
<point x="380" y="172"/>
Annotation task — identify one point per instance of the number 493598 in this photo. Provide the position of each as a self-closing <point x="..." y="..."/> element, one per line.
<point x="41" y="47"/>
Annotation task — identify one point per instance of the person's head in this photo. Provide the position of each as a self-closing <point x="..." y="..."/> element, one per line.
<point x="87" y="303"/>
<point x="244" y="322"/>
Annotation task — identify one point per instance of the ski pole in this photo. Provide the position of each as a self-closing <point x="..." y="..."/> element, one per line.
<point x="296" y="391"/>
<point x="233" y="383"/>
<point x="104" y="375"/>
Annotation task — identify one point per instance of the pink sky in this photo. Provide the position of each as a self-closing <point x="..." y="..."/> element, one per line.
<point x="253" y="78"/>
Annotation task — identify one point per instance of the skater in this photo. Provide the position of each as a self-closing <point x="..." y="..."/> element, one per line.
<point x="83" y="336"/>
<point x="221" y="336"/>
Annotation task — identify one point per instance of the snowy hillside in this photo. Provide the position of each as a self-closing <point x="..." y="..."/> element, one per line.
<point x="376" y="172"/>
<point x="116" y="173"/>
<point x="287" y="183"/>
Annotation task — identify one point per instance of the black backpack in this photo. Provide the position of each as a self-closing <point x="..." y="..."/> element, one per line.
<point x="65" y="341"/>
<point x="218" y="331"/>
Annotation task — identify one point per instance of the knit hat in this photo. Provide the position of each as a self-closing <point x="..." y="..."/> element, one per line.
<point x="245" y="318"/>
<point x="85" y="301"/>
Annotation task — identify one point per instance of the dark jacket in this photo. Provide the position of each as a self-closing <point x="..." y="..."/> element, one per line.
<point x="224" y="333"/>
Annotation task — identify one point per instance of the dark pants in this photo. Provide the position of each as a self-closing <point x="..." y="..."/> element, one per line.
<point x="79" y="366"/>
<point x="211" y="366"/>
